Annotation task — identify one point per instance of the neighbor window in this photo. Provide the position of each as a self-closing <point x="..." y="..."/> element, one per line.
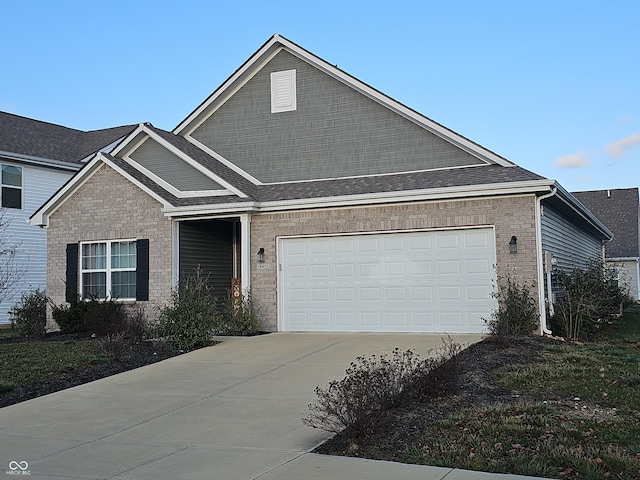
<point x="108" y="269"/>
<point x="11" y="186"/>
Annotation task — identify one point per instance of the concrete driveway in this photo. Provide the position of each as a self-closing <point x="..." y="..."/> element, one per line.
<point x="231" y="411"/>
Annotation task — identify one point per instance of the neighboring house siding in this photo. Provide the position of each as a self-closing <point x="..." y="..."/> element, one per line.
<point x="571" y="246"/>
<point x="38" y="184"/>
<point x="109" y="207"/>
<point x="171" y="168"/>
<point x="628" y="275"/>
<point x="334" y="132"/>
<point x="509" y="216"/>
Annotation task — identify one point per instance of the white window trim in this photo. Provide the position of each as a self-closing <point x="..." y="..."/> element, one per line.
<point x="283" y="99"/>
<point x="108" y="270"/>
<point x="21" y="187"/>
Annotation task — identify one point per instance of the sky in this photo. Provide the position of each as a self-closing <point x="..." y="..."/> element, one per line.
<point x="552" y="85"/>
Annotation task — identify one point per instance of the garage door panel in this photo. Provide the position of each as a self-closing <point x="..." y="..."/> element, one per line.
<point x="435" y="281"/>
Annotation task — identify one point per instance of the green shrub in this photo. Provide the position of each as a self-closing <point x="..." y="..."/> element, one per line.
<point x="375" y="384"/>
<point x="100" y="317"/>
<point x="70" y="317"/>
<point x="191" y="318"/>
<point x="516" y="314"/>
<point x="238" y="318"/>
<point x="29" y="314"/>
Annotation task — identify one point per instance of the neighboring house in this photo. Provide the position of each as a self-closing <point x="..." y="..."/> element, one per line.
<point x="619" y="210"/>
<point x="36" y="159"/>
<point x="341" y="208"/>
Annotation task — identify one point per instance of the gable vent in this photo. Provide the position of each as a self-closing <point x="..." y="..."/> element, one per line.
<point x="283" y="91"/>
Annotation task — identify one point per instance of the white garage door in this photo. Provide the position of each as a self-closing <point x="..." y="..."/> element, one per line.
<point x="432" y="281"/>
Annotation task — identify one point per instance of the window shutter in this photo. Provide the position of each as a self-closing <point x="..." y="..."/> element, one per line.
<point x="142" y="269"/>
<point x="71" y="290"/>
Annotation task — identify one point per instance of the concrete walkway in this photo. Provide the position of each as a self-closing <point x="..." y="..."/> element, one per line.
<point x="231" y="411"/>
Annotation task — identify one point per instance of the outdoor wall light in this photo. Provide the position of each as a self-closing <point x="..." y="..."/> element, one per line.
<point x="513" y="245"/>
<point x="261" y="255"/>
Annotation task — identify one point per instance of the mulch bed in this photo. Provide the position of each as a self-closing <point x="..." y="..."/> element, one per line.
<point x="138" y="355"/>
<point x="473" y="385"/>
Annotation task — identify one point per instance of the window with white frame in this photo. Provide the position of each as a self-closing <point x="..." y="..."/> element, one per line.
<point x="11" y="186"/>
<point x="108" y="269"/>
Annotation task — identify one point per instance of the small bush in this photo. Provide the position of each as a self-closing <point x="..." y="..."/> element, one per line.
<point x="70" y="318"/>
<point x="103" y="317"/>
<point x="516" y="314"/>
<point x="93" y="315"/>
<point x="238" y="318"/>
<point x="114" y="346"/>
<point x="29" y="315"/>
<point x="190" y="320"/>
<point x="374" y="384"/>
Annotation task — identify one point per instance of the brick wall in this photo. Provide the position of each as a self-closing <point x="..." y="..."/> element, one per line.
<point x="509" y="215"/>
<point x="109" y="207"/>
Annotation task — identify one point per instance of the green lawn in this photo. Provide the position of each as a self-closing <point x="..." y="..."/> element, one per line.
<point x="32" y="362"/>
<point x="578" y="415"/>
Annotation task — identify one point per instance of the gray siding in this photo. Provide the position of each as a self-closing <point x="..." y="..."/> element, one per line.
<point x="569" y="244"/>
<point x="334" y="132"/>
<point x="171" y="168"/>
<point x="208" y="244"/>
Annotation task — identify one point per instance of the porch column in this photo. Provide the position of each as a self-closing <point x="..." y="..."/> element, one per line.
<point x="245" y="250"/>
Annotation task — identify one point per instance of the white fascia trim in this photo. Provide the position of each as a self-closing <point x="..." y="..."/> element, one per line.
<point x="198" y="166"/>
<point x="170" y="188"/>
<point x="372" y="175"/>
<point x="580" y="209"/>
<point x="466" y="191"/>
<point x="133" y="180"/>
<point x="223" y="160"/>
<point x="39" y="161"/>
<point x="41" y="216"/>
<point x="127" y="142"/>
<point x="535" y="186"/>
<point x="425" y="122"/>
<point x="622" y="259"/>
<point x="216" y="210"/>
<point x="220" y="95"/>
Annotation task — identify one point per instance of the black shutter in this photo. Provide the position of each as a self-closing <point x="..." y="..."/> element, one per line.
<point x="71" y="291"/>
<point x="142" y="269"/>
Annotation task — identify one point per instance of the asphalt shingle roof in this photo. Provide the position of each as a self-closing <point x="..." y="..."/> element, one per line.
<point x="618" y="210"/>
<point x="26" y="136"/>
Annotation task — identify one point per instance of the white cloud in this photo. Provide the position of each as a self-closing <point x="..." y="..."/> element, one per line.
<point x="574" y="160"/>
<point x="617" y="149"/>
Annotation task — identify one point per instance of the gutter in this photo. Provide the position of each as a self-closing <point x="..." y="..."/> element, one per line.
<point x="540" y="261"/>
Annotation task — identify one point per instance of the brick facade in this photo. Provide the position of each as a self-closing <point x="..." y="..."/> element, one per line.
<point x="509" y="216"/>
<point x="109" y="207"/>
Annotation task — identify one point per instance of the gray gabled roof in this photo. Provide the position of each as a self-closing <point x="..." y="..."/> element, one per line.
<point x="618" y="209"/>
<point x="34" y="138"/>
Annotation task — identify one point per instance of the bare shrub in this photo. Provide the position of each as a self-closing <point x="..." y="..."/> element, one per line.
<point x="588" y="297"/>
<point x="114" y="346"/>
<point x="375" y="384"/>
<point x="29" y="314"/>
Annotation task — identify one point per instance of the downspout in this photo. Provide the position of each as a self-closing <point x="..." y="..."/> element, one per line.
<point x="541" y="304"/>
